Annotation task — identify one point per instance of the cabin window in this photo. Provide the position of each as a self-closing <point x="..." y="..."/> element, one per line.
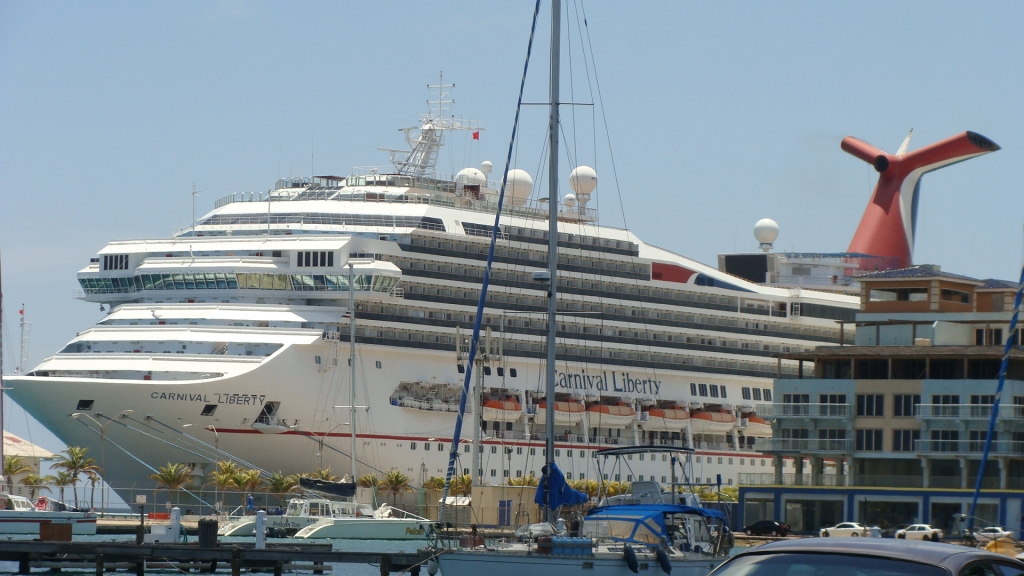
<point x="412" y="445"/>
<point x="487" y="370"/>
<point x="208" y="410"/>
<point x="767" y="395"/>
<point x="501" y="371"/>
<point x="512" y="372"/>
<point x="714" y="391"/>
<point x="693" y="388"/>
<point x="315" y="259"/>
<point x="85" y="404"/>
<point x="756" y="393"/>
<point x="703" y="388"/>
<point x="115" y="262"/>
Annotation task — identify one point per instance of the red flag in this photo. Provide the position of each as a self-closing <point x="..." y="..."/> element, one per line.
<point x="476" y="135"/>
<point x="22" y="311"/>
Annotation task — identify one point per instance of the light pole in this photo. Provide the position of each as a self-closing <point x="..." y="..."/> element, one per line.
<point x="319" y="438"/>
<point x="216" y="436"/>
<point x="103" y="440"/>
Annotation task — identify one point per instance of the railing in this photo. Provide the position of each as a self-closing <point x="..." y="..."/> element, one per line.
<point x="780" y="410"/>
<point x="769" y="479"/>
<point x="889" y="480"/>
<point x="967" y="411"/>
<point x="1009" y="447"/>
<point x="811" y="445"/>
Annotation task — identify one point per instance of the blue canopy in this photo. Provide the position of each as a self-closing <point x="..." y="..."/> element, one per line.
<point x="643" y="523"/>
<point x="647" y="509"/>
<point x="561" y="493"/>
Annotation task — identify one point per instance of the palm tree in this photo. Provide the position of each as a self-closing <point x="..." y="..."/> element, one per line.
<point x="224" y="478"/>
<point x="434" y="483"/>
<point x="462" y="485"/>
<point x="324" y="474"/>
<point x="75" y="463"/>
<point x="173" y="476"/>
<point x="94" y="479"/>
<point x="280" y="484"/>
<point x="368" y="481"/>
<point x="394" y="483"/>
<point x="13" y="466"/>
<point x="35" y="482"/>
<point x="248" y="480"/>
<point x="62" y="480"/>
<point x="529" y="480"/>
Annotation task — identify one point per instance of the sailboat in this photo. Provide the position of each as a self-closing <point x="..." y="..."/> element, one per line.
<point x="614" y="539"/>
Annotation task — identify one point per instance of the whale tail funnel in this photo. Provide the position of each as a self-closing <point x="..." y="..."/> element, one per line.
<point x="890" y="220"/>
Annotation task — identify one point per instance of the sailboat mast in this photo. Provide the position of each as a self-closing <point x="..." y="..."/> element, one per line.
<point x="2" y="435"/>
<point x="352" y="364"/>
<point x="549" y="388"/>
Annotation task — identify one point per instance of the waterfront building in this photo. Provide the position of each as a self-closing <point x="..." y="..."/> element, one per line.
<point x="891" y="430"/>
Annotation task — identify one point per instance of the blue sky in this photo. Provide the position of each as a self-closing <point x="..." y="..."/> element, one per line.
<point x="719" y="113"/>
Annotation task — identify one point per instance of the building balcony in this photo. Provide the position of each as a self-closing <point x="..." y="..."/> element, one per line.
<point x="966" y="412"/>
<point x="805" y="445"/>
<point x="815" y="411"/>
<point x="974" y="448"/>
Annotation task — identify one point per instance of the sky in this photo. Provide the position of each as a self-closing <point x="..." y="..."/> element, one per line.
<point x="699" y="117"/>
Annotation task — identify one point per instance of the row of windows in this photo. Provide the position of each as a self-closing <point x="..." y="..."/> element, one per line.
<point x="115" y="262"/>
<point x="756" y="394"/>
<point x="326" y="219"/>
<point x="706" y="390"/>
<point x="315" y="259"/>
<point x="232" y="281"/>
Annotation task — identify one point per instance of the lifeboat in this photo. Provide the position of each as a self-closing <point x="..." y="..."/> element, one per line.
<point x="756" y="426"/>
<point x="712" y="422"/>
<point x="502" y="410"/>
<point x="666" y="419"/>
<point x="567" y="412"/>
<point x="610" y="415"/>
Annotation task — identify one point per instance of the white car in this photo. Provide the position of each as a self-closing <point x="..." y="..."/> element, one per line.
<point x="846" y="529"/>
<point x="920" y="532"/>
<point x="993" y="533"/>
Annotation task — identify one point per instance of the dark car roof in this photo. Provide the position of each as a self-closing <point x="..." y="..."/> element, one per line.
<point x="935" y="553"/>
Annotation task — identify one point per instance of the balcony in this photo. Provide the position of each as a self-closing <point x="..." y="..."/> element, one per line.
<point x="954" y="448"/>
<point x="816" y="411"/>
<point x="806" y="445"/>
<point x="966" y="412"/>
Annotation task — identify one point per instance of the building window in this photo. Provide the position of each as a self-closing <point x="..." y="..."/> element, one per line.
<point x="900" y="295"/>
<point x="316" y="259"/>
<point x="870" y="440"/>
<point x="115" y="262"/>
<point x="981" y="405"/>
<point x="745" y="392"/>
<point x="903" y="440"/>
<point x="976" y="441"/>
<point x="832" y="405"/>
<point x="905" y="404"/>
<point x="945" y="441"/>
<point x="946" y="405"/>
<point x="832" y="439"/>
<point x="870" y="405"/>
<point x="958" y="296"/>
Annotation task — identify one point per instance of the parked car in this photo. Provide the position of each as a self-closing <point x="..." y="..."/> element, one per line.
<point x="920" y="532"/>
<point x="866" y="557"/>
<point x="846" y="529"/>
<point x="993" y="533"/>
<point x="766" y="528"/>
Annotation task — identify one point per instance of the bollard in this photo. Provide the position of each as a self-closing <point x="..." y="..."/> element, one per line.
<point x="261" y="530"/>
<point x="176" y="524"/>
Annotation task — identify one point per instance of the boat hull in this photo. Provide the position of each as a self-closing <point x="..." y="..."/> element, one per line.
<point x="499" y="563"/>
<point x="14" y="522"/>
<point x="366" y="529"/>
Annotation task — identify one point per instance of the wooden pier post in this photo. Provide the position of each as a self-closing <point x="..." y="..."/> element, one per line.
<point x="318" y="568"/>
<point x="99" y="565"/>
<point x="140" y="568"/>
<point x="236" y="561"/>
<point x="278" y="568"/>
<point x="24" y="567"/>
<point x="385" y="565"/>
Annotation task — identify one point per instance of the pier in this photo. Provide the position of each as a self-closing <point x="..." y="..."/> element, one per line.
<point x="108" y="556"/>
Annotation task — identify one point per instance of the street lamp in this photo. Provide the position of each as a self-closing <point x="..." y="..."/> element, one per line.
<point x="103" y="438"/>
<point x="216" y="436"/>
<point x="319" y="438"/>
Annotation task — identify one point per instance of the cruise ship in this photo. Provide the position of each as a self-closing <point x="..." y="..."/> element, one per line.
<point x="229" y="340"/>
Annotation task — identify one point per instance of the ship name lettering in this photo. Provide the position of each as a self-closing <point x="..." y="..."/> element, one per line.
<point x="603" y="382"/>
<point x="243" y="399"/>
<point x="179" y="396"/>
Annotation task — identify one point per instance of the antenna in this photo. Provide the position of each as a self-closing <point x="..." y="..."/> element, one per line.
<point x="23" y="367"/>
<point x="195" y="194"/>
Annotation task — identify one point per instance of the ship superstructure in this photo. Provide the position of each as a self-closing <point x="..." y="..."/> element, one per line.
<point x="231" y="337"/>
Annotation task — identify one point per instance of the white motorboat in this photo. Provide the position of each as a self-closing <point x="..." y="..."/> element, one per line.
<point x="19" y="516"/>
<point x="383" y="524"/>
<point x="301" y="512"/>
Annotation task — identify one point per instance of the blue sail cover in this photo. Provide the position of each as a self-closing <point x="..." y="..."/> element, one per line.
<point x="561" y="493"/>
<point x="640" y="523"/>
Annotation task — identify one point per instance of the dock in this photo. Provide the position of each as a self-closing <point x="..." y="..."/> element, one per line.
<point x="106" y="556"/>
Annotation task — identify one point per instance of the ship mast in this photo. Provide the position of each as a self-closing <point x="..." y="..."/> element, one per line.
<point x="352" y="364"/>
<point x="549" y="388"/>
<point x="2" y="434"/>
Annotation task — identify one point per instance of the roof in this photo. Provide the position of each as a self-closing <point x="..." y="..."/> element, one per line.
<point x="937" y="554"/>
<point x="995" y="284"/>
<point x="15" y="446"/>
<point x="976" y="352"/>
<point x="922" y="271"/>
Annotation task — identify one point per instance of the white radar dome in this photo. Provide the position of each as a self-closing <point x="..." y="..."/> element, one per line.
<point x="583" y="180"/>
<point x="486" y="167"/>
<point x="570" y="200"/>
<point x="471" y="177"/>
<point x="519" y="186"/>
<point x="766" y="231"/>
